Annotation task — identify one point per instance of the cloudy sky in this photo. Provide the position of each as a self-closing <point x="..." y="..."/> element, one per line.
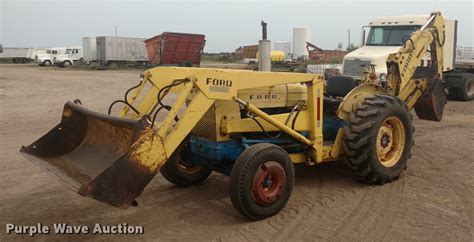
<point x="226" y="24"/>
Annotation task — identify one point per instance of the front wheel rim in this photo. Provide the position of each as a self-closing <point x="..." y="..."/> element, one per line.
<point x="390" y="141"/>
<point x="183" y="163"/>
<point x="268" y="183"/>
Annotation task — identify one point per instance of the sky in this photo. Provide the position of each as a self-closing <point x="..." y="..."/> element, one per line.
<point x="226" y="24"/>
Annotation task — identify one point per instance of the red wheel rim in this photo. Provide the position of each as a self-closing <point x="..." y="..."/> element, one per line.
<point x="268" y="183"/>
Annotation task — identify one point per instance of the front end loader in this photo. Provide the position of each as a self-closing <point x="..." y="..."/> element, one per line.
<point x="250" y="126"/>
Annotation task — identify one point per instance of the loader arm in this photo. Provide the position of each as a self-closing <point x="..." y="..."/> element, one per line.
<point x="415" y="82"/>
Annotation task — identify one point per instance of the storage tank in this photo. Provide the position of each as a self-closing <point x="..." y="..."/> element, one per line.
<point x="284" y="46"/>
<point x="89" y="49"/>
<point x="301" y="35"/>
<point x="276" y="56"/>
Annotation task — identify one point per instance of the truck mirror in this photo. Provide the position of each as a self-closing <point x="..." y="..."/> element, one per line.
<point x="362" y="37"/>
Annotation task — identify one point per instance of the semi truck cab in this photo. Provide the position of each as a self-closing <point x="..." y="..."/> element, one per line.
<point x="72" y="55"/>
<point x="386" y="35"/>
<point x="48" y="58"/>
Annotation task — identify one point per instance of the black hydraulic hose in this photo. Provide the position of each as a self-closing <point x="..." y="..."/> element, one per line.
<point x="125" y="101"/>
<point x="122" y="101"/>
<point x="296" y="107"/>
<point x="294" y="120"/>
<point x="263" y="129"/>
<point x="159" y="96"/>
<point x="154" y="116"/>
<point x="165" y="90"/>
<point x="438" y="40"/>
<point x="130" y="89"/>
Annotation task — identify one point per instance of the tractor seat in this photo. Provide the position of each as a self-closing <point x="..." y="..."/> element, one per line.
<point x="337" y="88"/>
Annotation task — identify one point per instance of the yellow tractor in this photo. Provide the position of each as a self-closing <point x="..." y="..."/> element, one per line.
<point x="251" y="126"/>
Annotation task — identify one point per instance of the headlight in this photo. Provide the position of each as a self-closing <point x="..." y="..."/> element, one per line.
<point x="383" y="77"/>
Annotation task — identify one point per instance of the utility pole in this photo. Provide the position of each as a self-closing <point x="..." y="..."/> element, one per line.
<point x="115" y="31"/>
<point x="348" y="37"/>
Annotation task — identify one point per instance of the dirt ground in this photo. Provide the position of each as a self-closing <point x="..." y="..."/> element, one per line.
<point x="432" y="201"/>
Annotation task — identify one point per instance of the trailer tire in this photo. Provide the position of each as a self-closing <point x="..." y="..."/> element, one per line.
<point x="182" y="173"/>
<point x="261" y="181"/>
<point x="466" y="92"/>
<point x="47" y="63"/>
<point x="378" y="139"/>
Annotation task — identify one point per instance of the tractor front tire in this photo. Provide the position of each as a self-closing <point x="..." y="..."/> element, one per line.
<point x="182" y="173"/>
<point x="261" y="181"/>
<point x="379" y="138"/>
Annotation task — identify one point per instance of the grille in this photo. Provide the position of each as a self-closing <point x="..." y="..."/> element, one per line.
<point x="206" y="127"/>
<point x="353" y="67"/>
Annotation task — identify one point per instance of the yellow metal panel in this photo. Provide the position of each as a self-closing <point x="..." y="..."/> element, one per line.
<point x="298" y="158"/>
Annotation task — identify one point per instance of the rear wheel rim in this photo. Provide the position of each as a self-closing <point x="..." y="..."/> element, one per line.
<point x="470" y="88"/>
<point x="390" y="142"/>
<point x="268" y="183"/>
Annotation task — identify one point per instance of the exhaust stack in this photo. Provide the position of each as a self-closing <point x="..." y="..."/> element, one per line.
<point x="264" y="50"/>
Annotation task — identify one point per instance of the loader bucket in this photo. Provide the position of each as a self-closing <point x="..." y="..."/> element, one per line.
<point x="430" y="105"/>
<point x="88" y="152"/>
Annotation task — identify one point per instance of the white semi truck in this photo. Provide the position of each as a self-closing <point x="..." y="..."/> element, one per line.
<point x="387" y="34"/>
<point x="72" y="55"/>
<point x="48" y="58"/>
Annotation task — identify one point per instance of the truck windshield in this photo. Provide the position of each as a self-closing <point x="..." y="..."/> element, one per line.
<point x="389" y="35"/>
<point x="68" y="51"/>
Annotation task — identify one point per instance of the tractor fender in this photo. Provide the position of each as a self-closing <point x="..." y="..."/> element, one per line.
<point x="356" y="96"/>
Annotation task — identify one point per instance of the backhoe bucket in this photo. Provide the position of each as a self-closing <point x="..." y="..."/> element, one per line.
<point x="430" y="105"/>
<point x="89" y="152"/>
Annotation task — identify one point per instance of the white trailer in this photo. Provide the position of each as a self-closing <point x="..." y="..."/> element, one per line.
<point x="17" y="55"/>
<point x="89" y="49"/>
<point x="121" y="49"/>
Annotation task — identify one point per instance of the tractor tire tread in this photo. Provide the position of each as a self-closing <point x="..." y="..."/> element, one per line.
<point x="358" y="145"/>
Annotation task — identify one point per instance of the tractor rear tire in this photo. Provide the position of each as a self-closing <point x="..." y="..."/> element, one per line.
<point x="182" y="173"/>
<point x="379" y="138"/>
<point x="261" y="181"/>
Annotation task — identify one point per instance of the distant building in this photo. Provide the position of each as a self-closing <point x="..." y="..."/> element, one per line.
<point x="324" y="56"/>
